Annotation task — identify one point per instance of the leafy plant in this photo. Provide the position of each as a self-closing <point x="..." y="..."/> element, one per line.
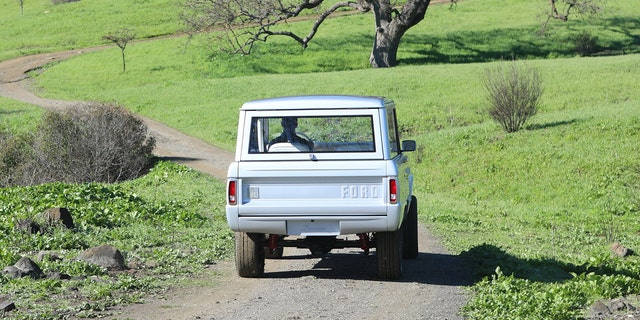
<point x="162" y="239"/>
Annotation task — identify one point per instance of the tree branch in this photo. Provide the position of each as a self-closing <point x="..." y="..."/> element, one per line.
<point x="256" y="18"/>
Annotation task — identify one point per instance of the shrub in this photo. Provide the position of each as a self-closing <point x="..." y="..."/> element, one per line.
<point x="91" y="142"/>
<point x="15" y="151"/>
<point x="513" y="94"/>
<point x="585" y="43"/>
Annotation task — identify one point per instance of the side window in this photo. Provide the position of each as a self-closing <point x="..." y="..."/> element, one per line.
<point x="394" y="139"/>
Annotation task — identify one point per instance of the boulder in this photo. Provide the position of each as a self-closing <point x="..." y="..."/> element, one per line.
<point x="614" y="309"/>
<point x="48" y="256"/>
<point x="28" y="226"/>
<point x="621" y="251"/>
<point x="29" y="268"/>
<point x="25" y="267"/>
<point x="12" y="272"/>
<point x="7" y="305"/>
<point x="55" y="275"/>
<point x="57" y="216"/>
<point x="105" y="256"/>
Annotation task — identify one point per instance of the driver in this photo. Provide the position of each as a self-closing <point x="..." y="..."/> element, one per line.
<point x="289" y="125"/>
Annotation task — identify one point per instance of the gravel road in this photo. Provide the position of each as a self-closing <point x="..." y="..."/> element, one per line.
<point x="342" y="285"/>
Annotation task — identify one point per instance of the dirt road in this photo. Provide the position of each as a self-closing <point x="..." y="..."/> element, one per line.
<point x="342" y="285"/>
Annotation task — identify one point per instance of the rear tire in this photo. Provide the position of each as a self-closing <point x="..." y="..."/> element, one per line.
<point x="250" y="254"/>
<point x="389" y="251"/>
<point x="410" y="226"/>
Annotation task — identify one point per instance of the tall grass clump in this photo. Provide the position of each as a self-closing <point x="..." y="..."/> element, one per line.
<point x="513" y="94"/>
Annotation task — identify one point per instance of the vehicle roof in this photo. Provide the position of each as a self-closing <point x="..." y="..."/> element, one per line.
<point x="318" y="102"/>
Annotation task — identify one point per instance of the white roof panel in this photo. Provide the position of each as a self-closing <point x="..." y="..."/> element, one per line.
<point x="317" y="102"/>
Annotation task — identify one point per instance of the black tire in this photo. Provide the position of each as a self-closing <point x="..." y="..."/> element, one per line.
<point x="389" y="252"/>
<point x="250" y="254"/>
<point x="410" y="226"/>
<point x="276" y="253"/>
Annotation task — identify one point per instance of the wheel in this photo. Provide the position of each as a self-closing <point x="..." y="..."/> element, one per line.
<point x="250" y="254"/>
<point x="276" y="253"/>
<point x="410" y="226"/>
<point x="389" y="251"/>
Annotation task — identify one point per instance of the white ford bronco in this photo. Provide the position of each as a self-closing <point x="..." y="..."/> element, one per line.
<point x="321" y="172"/>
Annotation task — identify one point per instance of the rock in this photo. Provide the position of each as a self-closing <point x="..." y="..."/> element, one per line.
<point x="599" y="310"/>
<point x="615" y="309"/>
<point x="29" y="268"/>
<point x="105" y="256"/>
<point x="12" y="272"/>
<point x="55" y="275"/>
<point x="7" y="305"/>
<point x="56" y="216"/>
<point x="28" y="226"/>
<point x="620" y="250"/>
<point x="48" y="256"/>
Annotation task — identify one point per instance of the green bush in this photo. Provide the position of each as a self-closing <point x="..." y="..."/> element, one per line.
<point x="585" y="43"/>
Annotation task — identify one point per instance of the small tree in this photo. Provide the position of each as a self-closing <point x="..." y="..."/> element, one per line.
<point x="121" y="39"/>
<point x="513" y="94"/>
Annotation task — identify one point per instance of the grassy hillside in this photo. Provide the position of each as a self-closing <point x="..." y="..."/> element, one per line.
<point x="16" y="116"/>
<point x="170" y="80"/>
<point x="543" y="204"/>
<point x="45" y="27"/>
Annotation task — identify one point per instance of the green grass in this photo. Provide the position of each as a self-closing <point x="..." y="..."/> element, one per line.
<point x="168" y="81"/>
<point x="16" y="116"/>
<point x="45" y="27"/>
<point x="164" y="239"/>
<point x="533" y="212"/>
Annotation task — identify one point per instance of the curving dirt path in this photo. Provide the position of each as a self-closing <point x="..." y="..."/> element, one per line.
<point x="342" y="285"/>
<point x="170" y="143"/>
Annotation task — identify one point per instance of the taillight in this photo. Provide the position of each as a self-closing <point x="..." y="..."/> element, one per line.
<point x="393" y="191"/>
<point x="232" y="192"/>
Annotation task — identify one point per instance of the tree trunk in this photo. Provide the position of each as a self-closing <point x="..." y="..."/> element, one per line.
<point x="385" y="46"/>
<point x="391" y="25"/>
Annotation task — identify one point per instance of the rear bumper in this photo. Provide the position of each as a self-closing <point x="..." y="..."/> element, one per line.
<point x="310" y="225"/>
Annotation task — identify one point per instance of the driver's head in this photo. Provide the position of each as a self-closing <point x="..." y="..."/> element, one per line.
<point x="289" y="122"/>
<point x="289" y="125"/>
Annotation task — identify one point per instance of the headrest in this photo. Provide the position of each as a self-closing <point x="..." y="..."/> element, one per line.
<point x="288" y="147"/>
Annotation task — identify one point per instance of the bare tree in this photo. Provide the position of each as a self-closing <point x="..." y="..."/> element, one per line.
<point x="121" y="38"/>
<point x="562" y="9"/>
<point x="249" y="21"/>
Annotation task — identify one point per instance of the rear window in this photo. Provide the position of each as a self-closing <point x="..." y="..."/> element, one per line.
<point x="317" y="134"/>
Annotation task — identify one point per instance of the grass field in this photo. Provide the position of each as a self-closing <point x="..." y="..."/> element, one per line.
<point x="543" y="204"/>
<point x="45" y="27"/>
